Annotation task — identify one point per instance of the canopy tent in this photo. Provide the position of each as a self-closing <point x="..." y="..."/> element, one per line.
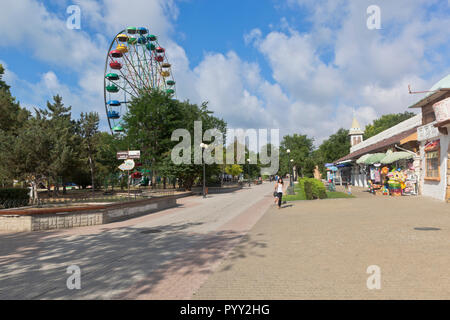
<point x="363" y="158"/>
<point x="373" y="158"/>
<point x="396" y="156"/>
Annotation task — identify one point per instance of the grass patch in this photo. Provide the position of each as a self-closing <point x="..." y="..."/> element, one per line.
<point x="300" y="194"/>
<point x="338" y="195"/>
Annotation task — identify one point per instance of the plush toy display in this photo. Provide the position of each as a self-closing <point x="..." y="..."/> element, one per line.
<point x="396" y="182"/>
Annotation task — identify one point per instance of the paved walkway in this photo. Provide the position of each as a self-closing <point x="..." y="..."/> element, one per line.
<point x="321" y="250"/>
<point x="230" y="246"/>
<point x="166" y="255"/>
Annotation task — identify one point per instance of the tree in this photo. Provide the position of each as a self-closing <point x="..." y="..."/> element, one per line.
<point x="385" y="122"/>
<point x="301" y="148"/>
<point x="29" y="153"/>
<point x="149" y="124"/>
<point x="105" y="157"/>
<point x="234" y="170"/>
<point x="64" y="150"/>
<point x="331" y="149"/>
<point x="12" y="116"/>
<point x="88" y="126"/>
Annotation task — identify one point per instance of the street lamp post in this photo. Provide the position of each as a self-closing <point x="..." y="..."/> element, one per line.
<point x="204" y="146"/>
<point x="290" y="189"/>
<point x="291" y="175"/>
<point x="289" y="164"/>
<point x="248" y="170"/>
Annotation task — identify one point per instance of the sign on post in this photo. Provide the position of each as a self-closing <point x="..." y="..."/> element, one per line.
<point x="124" y="155"/>
<point x="135" y="154"/>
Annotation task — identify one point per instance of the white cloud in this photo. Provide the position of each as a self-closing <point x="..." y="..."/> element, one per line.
<point x="318" y="78"/>
<point x="253" y="35"/>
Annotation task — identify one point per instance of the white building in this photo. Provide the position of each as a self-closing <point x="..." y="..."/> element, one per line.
<point x="403" y="134"/>
<point x="434" y="139"/>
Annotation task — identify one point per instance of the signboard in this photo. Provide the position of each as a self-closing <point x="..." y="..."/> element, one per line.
<point x="426" y="132"/>
<point x="123" y="155"/>
<point x="442" y="110"/>
<point x="432" y="146"/>
<point x="136" y="154"/>
<point x="127" y="165"/>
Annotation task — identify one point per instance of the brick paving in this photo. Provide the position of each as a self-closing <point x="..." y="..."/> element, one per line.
<point x="321" y="250"/>
<point x="165" y="255"/>
<point x="239" y="246"/>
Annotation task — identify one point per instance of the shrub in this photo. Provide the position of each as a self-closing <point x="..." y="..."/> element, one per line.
<point x="308" y="187"/>
<point x="319" y="189"/>
<point x="14" y="197"/>
<point x="314" y="189"/>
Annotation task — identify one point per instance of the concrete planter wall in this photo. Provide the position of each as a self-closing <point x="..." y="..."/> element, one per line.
<point x="61" y="218"/>
<point x="215" y="190"/>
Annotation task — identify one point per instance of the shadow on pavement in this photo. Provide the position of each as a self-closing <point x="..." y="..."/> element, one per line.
<point x="33" y="265"/>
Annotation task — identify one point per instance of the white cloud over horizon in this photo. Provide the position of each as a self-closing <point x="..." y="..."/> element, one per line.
<point x="368" y="71"/>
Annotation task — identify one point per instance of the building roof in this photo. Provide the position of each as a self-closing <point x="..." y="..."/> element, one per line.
<point x="379" y="145"/>
<point x="437" y="90"/>
<point x="403" y="126"/>
<point x="436" y="95"/>
<point x="441" y="84"/>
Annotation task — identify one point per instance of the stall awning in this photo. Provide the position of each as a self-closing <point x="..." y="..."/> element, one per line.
<point x="396" y="156"/>
<point x="411" y="137"/>
<point x="363" y="158"/>
<point x="374" y="158"/>
<point x="379" y="146"/>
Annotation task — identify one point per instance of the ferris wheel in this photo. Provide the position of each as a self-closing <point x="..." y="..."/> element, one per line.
<point x="135" y="63"/>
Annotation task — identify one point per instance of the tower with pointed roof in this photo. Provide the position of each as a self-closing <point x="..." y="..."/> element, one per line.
<point x="355" y="133"/>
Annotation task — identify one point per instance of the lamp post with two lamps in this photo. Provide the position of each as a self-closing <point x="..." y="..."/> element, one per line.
<point x="248" y="170"/>
<point x="290" y="189"/>
<point x="204" y="146"/>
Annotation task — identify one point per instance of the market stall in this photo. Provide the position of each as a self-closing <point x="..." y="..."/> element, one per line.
<point x="390" y="173"/>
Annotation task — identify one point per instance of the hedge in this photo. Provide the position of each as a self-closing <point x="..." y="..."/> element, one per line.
<point x="14" y="197"/>
<point x="314" y="189"/>
<point x="308" y="190"/>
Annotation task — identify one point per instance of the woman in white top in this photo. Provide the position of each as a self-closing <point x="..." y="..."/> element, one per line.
<point x="279" y="191"/>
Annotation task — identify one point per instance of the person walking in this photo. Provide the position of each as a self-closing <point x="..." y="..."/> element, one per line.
<point x="279" y="191"/>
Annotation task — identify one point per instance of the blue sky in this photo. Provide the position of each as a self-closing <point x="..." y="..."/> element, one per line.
<point x="299" y="65"/>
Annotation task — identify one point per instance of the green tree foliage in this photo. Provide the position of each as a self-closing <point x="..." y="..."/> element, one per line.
<point x="106" y="163"/>
<point x="65" y="144"/>
<point x="88" y="129"/>
<point x="233" y="170"/>
<point x="149" y="125"/>
<point x="30" y="151"/>
<point x="385" y="122"/>
<point x="301" y="148"/>
<point x="331" y="149"/>
<point x="12" y="116"/>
